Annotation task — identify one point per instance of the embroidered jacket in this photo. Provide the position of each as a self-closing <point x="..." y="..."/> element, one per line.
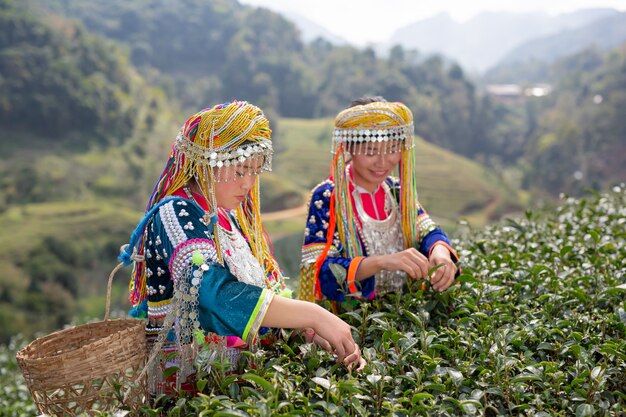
<point x="226" y="306"/>
<point x="337" y="272"/>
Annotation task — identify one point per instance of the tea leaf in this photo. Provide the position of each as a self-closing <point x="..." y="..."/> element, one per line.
<point x="259" y="381"/>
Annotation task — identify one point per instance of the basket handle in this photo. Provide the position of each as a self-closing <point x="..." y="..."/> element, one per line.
<point x="133" y="257"/>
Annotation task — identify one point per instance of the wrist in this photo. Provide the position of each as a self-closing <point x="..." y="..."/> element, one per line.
<point x="378" y="262"/>
<point x="440" y="250"/>
<point x="369" y="266"/>
<point x="313" y="316"/>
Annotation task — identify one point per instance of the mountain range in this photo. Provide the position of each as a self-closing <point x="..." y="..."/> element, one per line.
<point x="604" y="33"/>
<point x="493" y="38"/>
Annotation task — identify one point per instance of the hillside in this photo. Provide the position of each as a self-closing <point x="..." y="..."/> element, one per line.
<point x="224" y="50"/>
<point x="537" y="60"/>
<point x="54" y="258"/>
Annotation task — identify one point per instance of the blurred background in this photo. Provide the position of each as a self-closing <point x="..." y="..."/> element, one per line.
<point x="512" y="107"/>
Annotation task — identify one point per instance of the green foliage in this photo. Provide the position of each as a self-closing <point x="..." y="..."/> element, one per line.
<point x="58" y="79"/>
<point x="55" y="257"/>
<point x="584" y="121"/>
<point x="569" y="141"/>
<point x="223" y="50"/>
<point x="535" y="328"/>
<point x="15" y="399"/>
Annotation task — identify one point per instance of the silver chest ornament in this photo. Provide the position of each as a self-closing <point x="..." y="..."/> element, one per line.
<point x="383" y="237"/>
<point x="239" y="258"/>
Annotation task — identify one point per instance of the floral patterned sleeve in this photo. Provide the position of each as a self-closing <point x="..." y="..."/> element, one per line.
<point x="337" y="272"/>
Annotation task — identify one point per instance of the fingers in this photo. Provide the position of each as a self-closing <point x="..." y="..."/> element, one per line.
<point x="340" y="351"/>
<point x="444" y="276"/>
<point x="438" y="278"/>
<point x="448" y="277"/>
<point x="352" y="358"/>
<point x="335" y="335"/>
<point x="309" y="335"/>
<point x="355" y="360"/>
<point x="322" y="343"/>
<point x="422" y="263"/>
<point x="410" y="261"/>
<point x="339" y="339"/>
<point x="361" y="365"/>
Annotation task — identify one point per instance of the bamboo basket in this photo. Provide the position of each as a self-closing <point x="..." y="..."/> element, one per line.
<point x="89" y="368"/>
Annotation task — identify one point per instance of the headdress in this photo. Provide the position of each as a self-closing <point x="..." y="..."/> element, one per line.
<point x="210" y="147"/>
<point x="377" y="122"/>
<point x="391" y="125"/>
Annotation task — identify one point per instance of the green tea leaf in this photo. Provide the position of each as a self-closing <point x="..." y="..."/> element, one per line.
<point x="259" y="381"/>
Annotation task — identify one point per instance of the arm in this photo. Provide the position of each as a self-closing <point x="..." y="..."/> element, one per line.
<point x="227" y="306"/>
<point x="409" y="260"/>
<point x="297" y="314"/>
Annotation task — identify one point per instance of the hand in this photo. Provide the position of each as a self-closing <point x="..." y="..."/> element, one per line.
<point x="355" y="359"/>
<point x="321" y="326"/>
<point x="335" y="335"/>
<point x="443" y="277"/>
<point x="311" y="337"/>
<point x="410" y="261"/>
<point x="352" y="360"/>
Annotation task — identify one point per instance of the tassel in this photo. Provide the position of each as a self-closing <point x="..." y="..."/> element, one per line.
<point x="140" y="311"/>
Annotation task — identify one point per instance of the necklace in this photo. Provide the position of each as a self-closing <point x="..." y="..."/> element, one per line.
<point x="238" y="256"/>
<point x="382" y="237"/>
<point x="236" y="252"/>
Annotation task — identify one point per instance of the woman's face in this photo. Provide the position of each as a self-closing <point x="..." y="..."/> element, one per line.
<point x="371" y="165"/>
<point x="235" y="183"/>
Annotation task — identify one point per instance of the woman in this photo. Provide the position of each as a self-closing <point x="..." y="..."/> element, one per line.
<point x="203" y="260"/>
<point x="366" y="231"/>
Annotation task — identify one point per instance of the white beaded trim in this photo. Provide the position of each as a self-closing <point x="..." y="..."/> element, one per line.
<point x="158" y="311"/>
<point x="181" y="261"/>
<point x="403" y="132"/>
<point x="218" y="158"/>
<point x="174" y="231"/>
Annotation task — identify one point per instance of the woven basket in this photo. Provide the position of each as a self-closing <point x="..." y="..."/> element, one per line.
<point x="88" y="368"/>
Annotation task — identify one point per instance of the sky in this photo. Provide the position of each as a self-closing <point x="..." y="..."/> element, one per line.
<point x="371" y="21"/>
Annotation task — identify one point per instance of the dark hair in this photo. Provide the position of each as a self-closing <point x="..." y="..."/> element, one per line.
<point x="367" y="100"/>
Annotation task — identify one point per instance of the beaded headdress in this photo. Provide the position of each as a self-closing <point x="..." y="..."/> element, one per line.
<point x="356" y="129"/>
<point x="379" y="122"/>
<point x="212" y="146"/>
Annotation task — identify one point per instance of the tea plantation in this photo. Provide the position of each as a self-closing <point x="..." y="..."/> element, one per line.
<point x="536" y="328"/>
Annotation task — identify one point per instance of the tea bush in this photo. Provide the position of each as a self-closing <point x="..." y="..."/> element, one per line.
<point x="535" y="328"/>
